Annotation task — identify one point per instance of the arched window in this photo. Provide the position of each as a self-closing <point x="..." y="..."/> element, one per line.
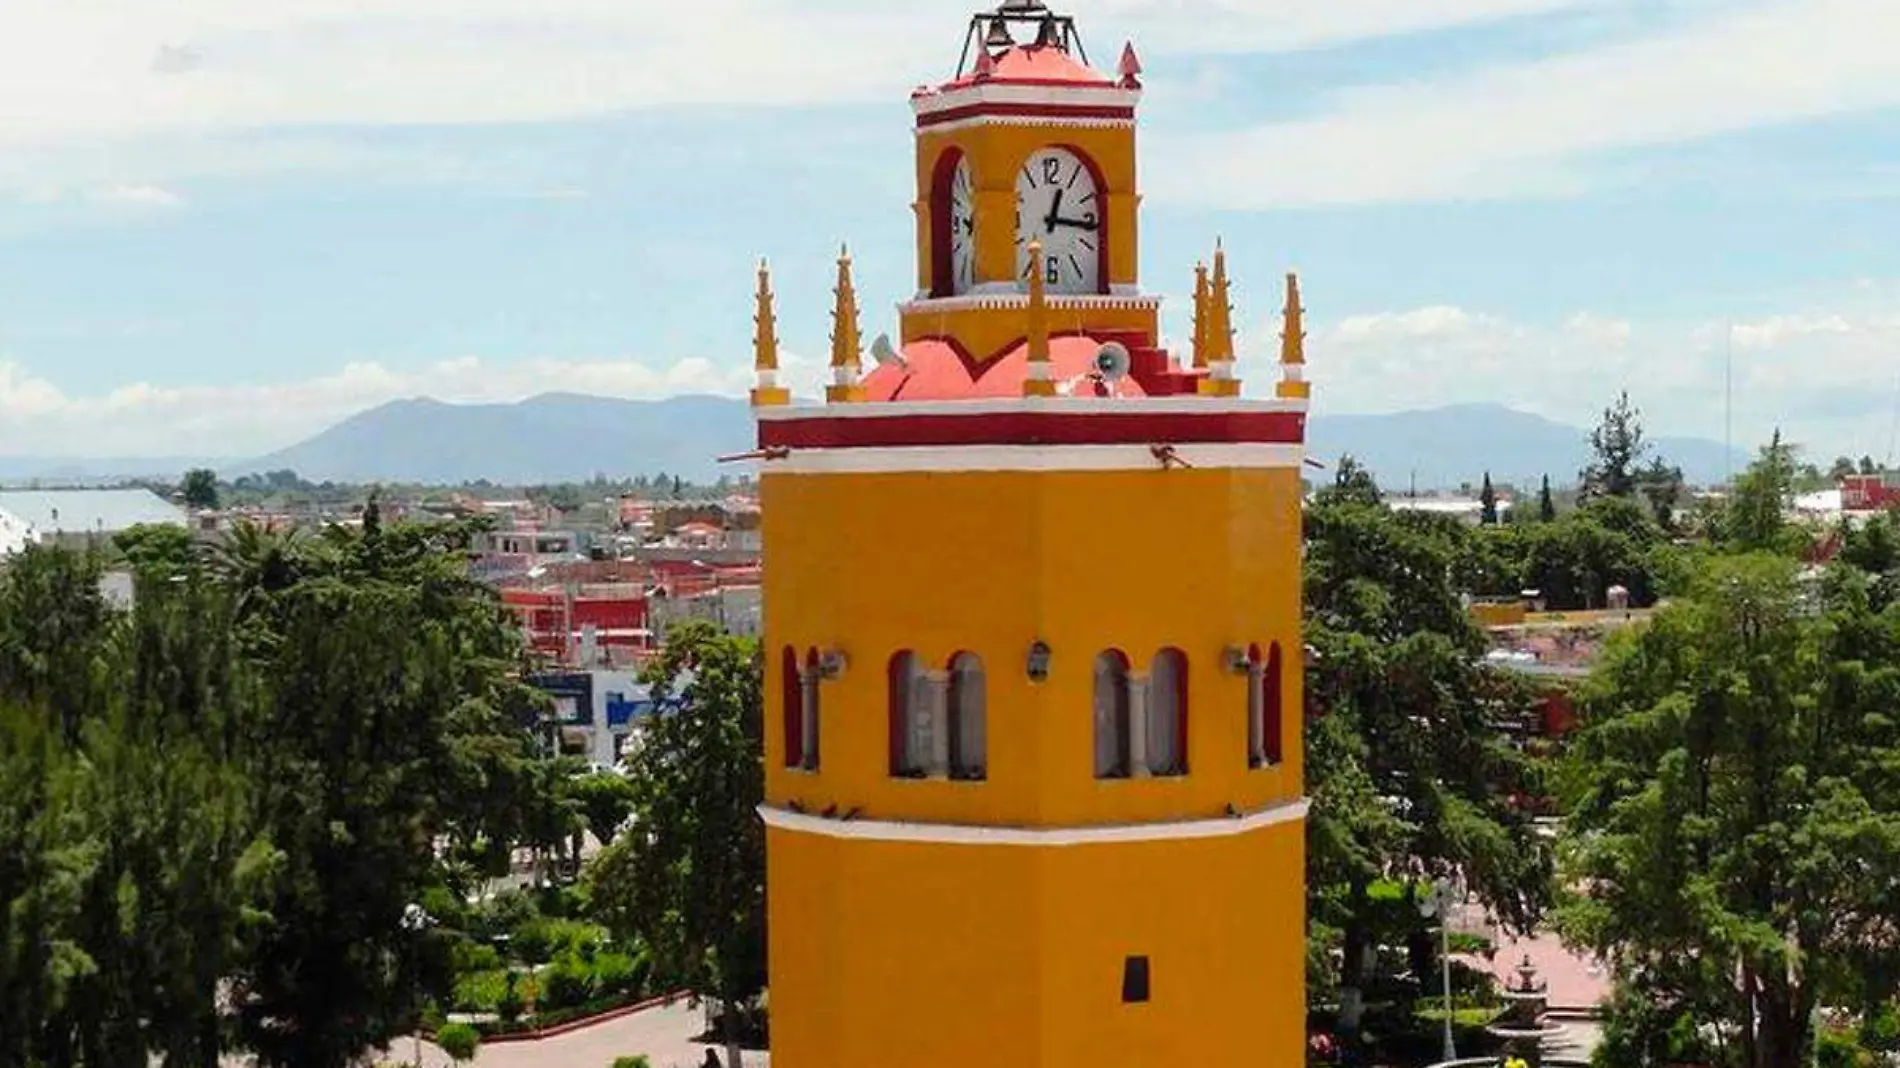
<point x="1112" y="742"/>
<point x="911" y="733"/>
<point x="792" y="697"/>
<point x="808" y="685"/>
<point x="969" y="714"/>
<point x="1167" y="714"/>
<point x="1273" y="722"/>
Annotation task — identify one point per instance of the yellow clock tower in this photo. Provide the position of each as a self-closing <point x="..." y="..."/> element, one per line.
<point x="1032" y="610"/>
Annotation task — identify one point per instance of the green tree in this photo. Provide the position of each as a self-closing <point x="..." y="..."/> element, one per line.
<point x="1841" y="468"/>
<point x="1735" y="819"/>
<point x="1756" y="518"/>
<point x="1662" y="486"/>
<point x="1352" y="482"/>
<point x="605" y="800"/>
<point x="1488" y="503"/>
<point x="200" y="488"/>
<point x="691" y="884"/>
<point x="1617" y="446"/>
<point x="1410" y="773"/>
<point x="1546" y="504"/>
<point x="390" y="720"/>
<point x="1868" y="466"/>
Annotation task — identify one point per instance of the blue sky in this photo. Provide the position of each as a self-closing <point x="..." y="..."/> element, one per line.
<point x="225" y="224"/>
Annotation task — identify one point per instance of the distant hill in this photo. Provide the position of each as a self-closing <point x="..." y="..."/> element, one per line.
<point x="554" y="437"/>
<point x="561" y="437"/>
<point x="1444" y="447"/>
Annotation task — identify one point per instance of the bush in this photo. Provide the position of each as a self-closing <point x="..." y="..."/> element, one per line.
<point x="459" y="1041"/>
<point x="541" y="940"/>
<point x="483" y="991"/>
<point x="510" y="1004"/>
<point x="620" y="973"/>
<point x="638" y="1060"/>
<point x="466" y="956"/>
<point x="569" y="981"/>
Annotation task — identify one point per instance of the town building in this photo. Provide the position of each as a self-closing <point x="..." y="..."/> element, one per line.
<point x="1034" y="770"/>
<point x="78" y="517"/>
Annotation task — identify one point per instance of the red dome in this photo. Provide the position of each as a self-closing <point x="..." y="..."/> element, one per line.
<point x="935" y="371"/>
<point x="1036" y="65"/>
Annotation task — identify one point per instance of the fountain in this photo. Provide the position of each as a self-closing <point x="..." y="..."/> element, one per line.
<point x="1523" y="1027"/>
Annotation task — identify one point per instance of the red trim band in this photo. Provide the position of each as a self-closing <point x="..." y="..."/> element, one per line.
<point x="1040" y="111"/>
<point x="1035" y="428"/>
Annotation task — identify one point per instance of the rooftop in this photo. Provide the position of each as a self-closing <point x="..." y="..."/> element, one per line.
<point x="89" y="510"/>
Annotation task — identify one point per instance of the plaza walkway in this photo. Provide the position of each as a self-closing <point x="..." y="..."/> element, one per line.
<point x="664" y="1034"/>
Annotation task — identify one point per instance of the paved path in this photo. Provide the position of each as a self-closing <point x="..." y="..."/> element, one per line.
<point x="664" y="1034"/>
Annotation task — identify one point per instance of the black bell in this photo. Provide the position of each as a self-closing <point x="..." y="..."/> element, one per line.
<point x="999" y="37"/>
<point x="1049" y="35"/>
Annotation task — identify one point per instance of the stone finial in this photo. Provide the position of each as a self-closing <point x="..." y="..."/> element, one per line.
<point x="846" y="343"/>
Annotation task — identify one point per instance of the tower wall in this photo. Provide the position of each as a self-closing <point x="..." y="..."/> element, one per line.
<point x="927" y="954"/>
<point x="989" y="562"/>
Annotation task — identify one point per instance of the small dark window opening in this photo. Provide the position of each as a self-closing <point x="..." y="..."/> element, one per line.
<point x="1135" y="981"/>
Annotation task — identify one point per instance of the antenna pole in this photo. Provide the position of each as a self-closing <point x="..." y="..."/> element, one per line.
<point x="1728" y="402"/>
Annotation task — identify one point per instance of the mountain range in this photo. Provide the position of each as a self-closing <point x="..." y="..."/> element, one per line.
<point x="559" y="437"/>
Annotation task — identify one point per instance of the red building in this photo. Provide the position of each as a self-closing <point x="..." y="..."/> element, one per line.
<point x="557" y="621"/>
<point x="1870" y="493"/>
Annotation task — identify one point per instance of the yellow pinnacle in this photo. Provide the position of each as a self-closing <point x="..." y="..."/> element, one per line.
<point x="1219" y="331"/>
<point x="1200" y="315"/>
<point x="765" y="336"/>
<point x="1040" y="381"/>
<point x="1293" y="383"/>
<point x="845" y="342"/>
<point x="767" y="391"/>
<point x="1220" y="319"/>
<point x="1293" y="333"/>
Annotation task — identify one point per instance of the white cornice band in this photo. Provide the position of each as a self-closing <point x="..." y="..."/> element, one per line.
<point x="1189" y="404"/>
<point x="967" y="459"/>
<point x="1039" y="121"/>
<point x="1051" y="837"/>
<point x="1017" y="94"/>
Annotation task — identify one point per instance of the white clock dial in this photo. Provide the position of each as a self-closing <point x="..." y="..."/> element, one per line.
<point x="1058" y="204"/>
<point x="962" y="229"/>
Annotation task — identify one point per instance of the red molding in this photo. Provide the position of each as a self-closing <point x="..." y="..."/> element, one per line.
<point x="1035" y="428"/>
<point x="1040" y="111"/>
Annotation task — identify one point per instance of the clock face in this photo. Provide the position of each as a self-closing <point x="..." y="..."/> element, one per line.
<point x="1058" y="204"/>
<point x="962" y="229"/>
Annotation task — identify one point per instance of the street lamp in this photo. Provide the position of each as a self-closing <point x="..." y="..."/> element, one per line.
<point x="416" y="920"/>
<point x="1438" y="903"/>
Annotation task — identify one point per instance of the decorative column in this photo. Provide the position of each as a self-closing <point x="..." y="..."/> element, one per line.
<point x="1138" y="686"/>
<point x="1293" y="383"/>
<point x="1040" y="381"/>
<point x="937" y="708"/>
<point x="846" y="344"/>
<point x="1220" y="380"/>
<point x="767" y="392"/>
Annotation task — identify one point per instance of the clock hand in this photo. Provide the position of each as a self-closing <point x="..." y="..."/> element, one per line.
<point x="1055" y="211"/>
<point x="1086" y="222"/>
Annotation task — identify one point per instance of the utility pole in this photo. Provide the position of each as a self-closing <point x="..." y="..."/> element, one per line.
<point x="1728" y="403"/>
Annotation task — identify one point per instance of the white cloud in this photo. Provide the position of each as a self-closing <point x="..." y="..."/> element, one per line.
<point x="1826" y="375"/>
<point x="138" y="196"/>
<point x="178" y="80"/>
<point x="1539" y="127"/>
